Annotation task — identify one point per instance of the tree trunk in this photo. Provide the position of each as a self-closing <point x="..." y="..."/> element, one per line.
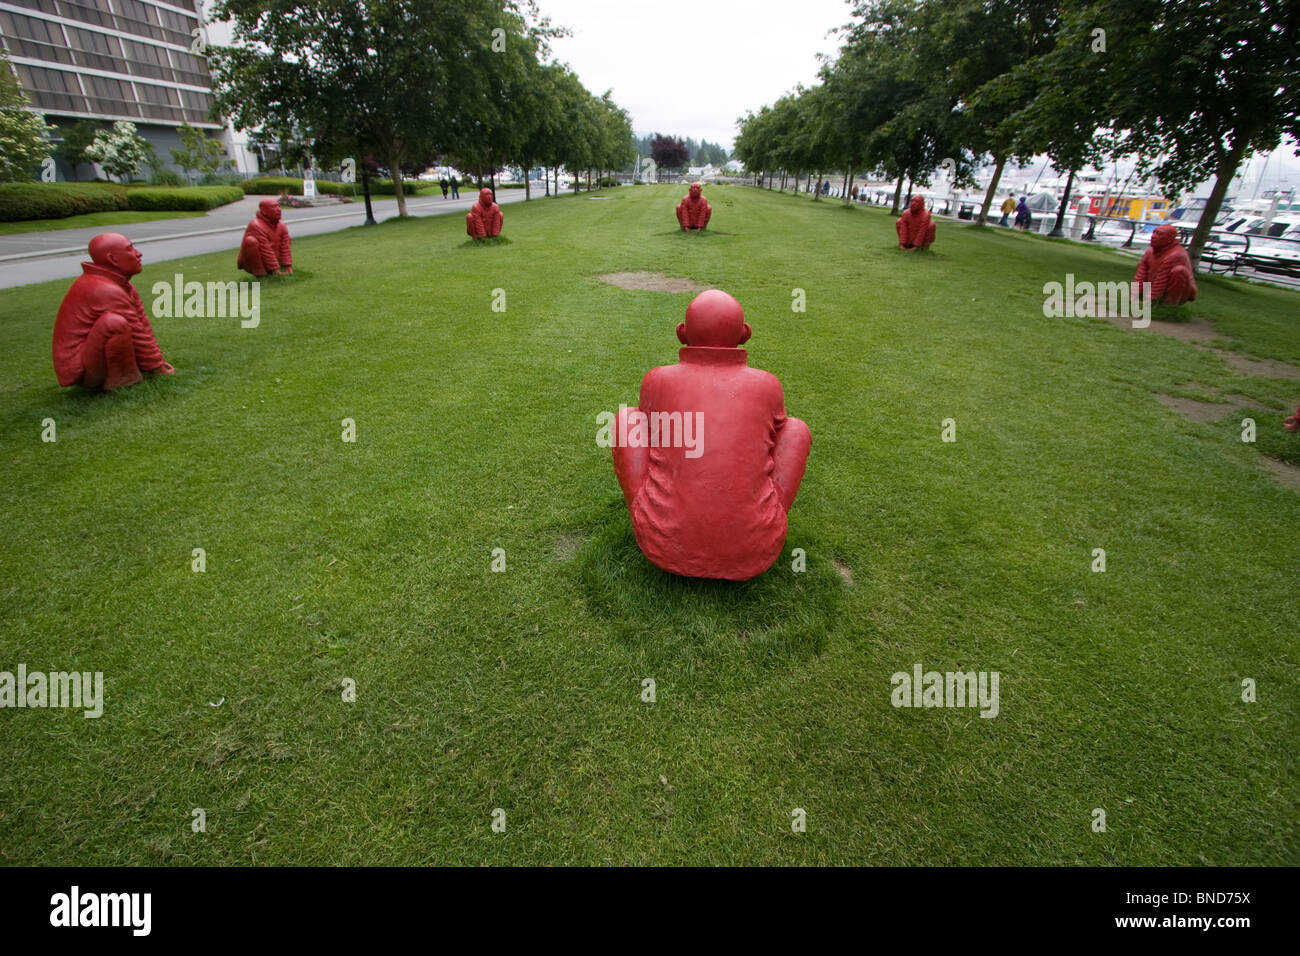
<point x="983" y="219"/>
<point x="1227" y="168"/>
<point x="847" y="200"/>
<point x="395" y="170"/>
<point x="1058" y="232"/>
<point x="796" y="181"/>
<point x="898" y="192"/>
<point x="847" y="173"/>
<point x="528" y="186"/>
<point x="817" y="193"/>
<point x="365" y="189"/>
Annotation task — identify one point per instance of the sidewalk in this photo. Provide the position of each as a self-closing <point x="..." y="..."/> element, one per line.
<point x="57" y="254"/>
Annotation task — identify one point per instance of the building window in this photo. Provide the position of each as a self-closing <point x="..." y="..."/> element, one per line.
<point x="38" y="39"/>
<point x="52" y="90"/>
<point x="87" y="11"/>
<point x="111" y="96"/>
<point x="145" y="59"/>
<point x="99" y="51"/>
<point x="138" y="18"/>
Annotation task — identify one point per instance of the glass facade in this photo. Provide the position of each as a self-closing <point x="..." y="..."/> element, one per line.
<point x="109" y="59"/>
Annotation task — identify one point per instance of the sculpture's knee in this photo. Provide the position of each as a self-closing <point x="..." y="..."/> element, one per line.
<point x="113" y="326"/>
<point x="108" y="354"/>
<point x="789" y="458"/>
<point x="250" y="257"/>
<point x="630" y="463"/>
<point x="1181" y="287"/>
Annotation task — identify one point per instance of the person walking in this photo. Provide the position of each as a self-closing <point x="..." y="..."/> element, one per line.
<point x="443" y="183"/>
<point x="1024" y="218"/>
<point x="1008" y="207"/>
<point x="455" y="188"/>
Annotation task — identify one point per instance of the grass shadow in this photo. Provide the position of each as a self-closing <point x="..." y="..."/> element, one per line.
<point x="779" y="615"/>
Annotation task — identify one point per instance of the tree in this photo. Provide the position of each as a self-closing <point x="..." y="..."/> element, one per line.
<point x="966" y="45"/>
<point x="198" y="152"/>
<point x="75" y="140"/>
<point x="120" y="150"/>
<point x="1199" y="86"/>
<point x="668" y="152"/>
<point x="23" y="134"/>
<point x="401" y="80"/>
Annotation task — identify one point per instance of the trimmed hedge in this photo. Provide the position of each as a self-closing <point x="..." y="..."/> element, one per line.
<point x="23" y="201"/>
<point x="274" y="185"/>
<point x="186" y="198"/>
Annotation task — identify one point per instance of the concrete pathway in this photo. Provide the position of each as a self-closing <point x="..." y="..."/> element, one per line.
<point x="57" y="254"/>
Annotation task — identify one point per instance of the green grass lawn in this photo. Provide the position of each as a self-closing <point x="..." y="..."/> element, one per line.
<point x="120" y="218"/>
<point x="371" y="561"/>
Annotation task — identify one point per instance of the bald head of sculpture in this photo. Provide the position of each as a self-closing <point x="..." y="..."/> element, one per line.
<point x="1164" y="237"/>
<point x="714" y="320"/>
<point x="485" y="197"/>
<point x="269" y="209"/>
<point x="696" y="191"/>
<point x="115" y="251"/>
<point x="917" y="205"/>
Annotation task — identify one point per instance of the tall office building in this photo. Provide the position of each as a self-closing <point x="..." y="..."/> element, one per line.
<point x="108" y="60"/>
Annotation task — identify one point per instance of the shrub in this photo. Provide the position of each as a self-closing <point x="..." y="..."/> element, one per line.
<point x="166" y="177"/>
<point x="274" y="185"/>
<point x="197" y="198"/>
<point x="606" y="181"/>
<point x="23" y="201"/>
<point x="222" y="179"/>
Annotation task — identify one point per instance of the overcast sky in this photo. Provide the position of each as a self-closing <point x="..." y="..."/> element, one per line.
<point x="691" y="68"/>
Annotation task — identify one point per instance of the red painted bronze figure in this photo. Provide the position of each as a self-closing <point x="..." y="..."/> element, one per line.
<point x="265" y="249"/>
<point x="484" y="217"/>
<point x="693" y="211"/>
<point x="102" y="336"/>
<point x="915" y="226"/>
<point x="709" y="462"/>
<point x="1167" y="267"/>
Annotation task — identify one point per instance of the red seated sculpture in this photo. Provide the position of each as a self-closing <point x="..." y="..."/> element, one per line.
<point x="102" y="336"/>
<point x="693" y="211"/>
<point x="1167" y="267"/>
<point x="265" y="249"/>
<point x="915" y="226"/>
<point x="484" y="217"/>
<point x="710" y="463"/>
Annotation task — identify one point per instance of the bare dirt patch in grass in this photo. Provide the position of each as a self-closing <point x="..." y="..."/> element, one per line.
<point x="1288" y="475"/>
<point x="567" y="546"/>
<point x="1261" y="368"/>
<point x="845" y="571"/>
<point x="1193" y="330"/>
<point x="651" y="282"/>
<point x="1195" y="411"/>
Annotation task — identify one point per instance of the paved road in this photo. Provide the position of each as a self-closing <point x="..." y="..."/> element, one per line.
<point x="41" y="256"/>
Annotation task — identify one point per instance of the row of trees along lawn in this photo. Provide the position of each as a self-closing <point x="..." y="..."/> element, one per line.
<point x="670" y="152"/>
<point x="411" y="82"/>
<point x="1188" y="90"/>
